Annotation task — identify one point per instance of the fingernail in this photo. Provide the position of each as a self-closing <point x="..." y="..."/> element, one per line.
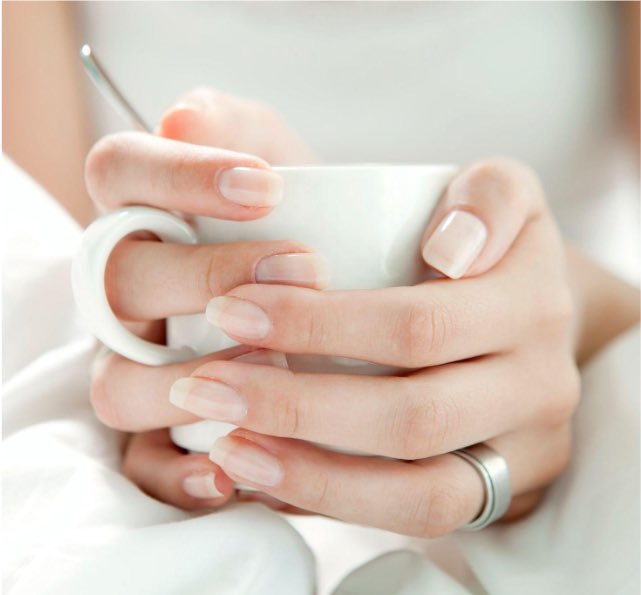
<point x="251" y="186"/>
<point x="455" y="244"/>
<point x="246" y="461"/>
<point x="201" y="486"/>
<point x="264" y="357"/>
<point x="208" y="399"/>
<point x="310" y="270"/>
<point x="238" y="317"/>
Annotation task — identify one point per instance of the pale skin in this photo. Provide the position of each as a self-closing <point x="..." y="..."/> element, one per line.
<point x="490" y="357"/>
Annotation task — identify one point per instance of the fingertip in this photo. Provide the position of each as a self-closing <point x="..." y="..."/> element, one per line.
<point x="455" y="244"/>
<point x="179" y="121"/>
<point x="164" y="472"/>
<point x="203" y="484"/>
<point x="482" y="212"/>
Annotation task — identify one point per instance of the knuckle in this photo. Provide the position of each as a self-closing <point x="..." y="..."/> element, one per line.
<point x="423" y="427"/>
<point x="317" y="329"/>
<point x="100" y="163"/>
<point x="562" y="400"/>
<point x="185" y="176"/>
<point x="434" y="512"/>
<point x="317" y="492"/>
<point x="287" y="415"/>
<point x="409" y="431"/>
<point x="220" y="269"/>
<point x="446" y="510"/>
<point x="422" y="333"/>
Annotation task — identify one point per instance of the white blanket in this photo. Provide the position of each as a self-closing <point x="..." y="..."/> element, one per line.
<point x="74" y="525"/>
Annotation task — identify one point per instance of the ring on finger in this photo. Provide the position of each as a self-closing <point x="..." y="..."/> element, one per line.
<point x="495" y="474"/>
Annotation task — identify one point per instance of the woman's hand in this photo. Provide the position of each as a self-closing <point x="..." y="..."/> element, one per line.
<point x="489" y="358"/>
<point x="147" y="281"/>
<point x="208" y="117"/>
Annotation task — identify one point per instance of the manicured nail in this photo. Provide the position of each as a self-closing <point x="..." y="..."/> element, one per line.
<point x="201" y="486"/>
<point x="251" y="186"/>
<point x="208" y="399"/>
<point x="309" y="270"/>
<point x="246" y="461"/>
<point x="264" y="357"/>
<point x="455" y="244"/>
<point x="238" y="317"/>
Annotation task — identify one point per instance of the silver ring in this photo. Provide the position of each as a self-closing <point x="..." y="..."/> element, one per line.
<point x="494" y="472"/>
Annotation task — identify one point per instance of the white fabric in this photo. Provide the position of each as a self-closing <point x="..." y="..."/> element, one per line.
<point x="73" y="525"/>
<point x="583" y="539"/>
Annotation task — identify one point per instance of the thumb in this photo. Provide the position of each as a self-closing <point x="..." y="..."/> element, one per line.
<point x="480" y="215"/>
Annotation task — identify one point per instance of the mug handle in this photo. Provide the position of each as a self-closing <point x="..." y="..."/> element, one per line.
<point x="88" y="279"/>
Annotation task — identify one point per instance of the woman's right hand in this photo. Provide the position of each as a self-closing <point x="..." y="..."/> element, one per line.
<point x="147" y="281"/>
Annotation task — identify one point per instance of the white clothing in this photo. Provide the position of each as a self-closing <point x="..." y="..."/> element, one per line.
<point x="74" y="525"/>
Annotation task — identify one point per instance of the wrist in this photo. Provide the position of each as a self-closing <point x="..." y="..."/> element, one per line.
<point x="605" y="305"/>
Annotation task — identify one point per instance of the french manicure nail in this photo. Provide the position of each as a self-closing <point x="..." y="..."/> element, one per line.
<point x="238" y="317"/>
<point x="246" y="461"/>
<point x="251" y="186"/>
<point x="208" y="399"/>
<point x="201" y="486"/>
<point x="307" y="269"/>
<point x="455" y="243"/>
<point x="264" y="357"/>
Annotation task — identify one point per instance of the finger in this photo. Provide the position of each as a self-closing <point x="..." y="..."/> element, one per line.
<point x="137" y="168"/>
<point x="209" y="117"/>
<point x="165" y="472"/>
<point x="132" y="397"/>
<point x="425" y="498"/>
<point x="407" y="327"/>
<point x="482" y="212"/>
<point x="148" y="280"/>
<point x="429" y="413"/>
<point x="432" y="323"/>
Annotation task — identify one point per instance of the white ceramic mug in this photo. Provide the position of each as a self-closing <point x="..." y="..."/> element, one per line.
<point x="367" y="220"/>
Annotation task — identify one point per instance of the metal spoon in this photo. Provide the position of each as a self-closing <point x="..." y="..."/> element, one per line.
<point x="109" y="90"/>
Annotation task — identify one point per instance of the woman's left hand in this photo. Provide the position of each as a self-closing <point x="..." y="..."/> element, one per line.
<point x="489" y="358"/>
